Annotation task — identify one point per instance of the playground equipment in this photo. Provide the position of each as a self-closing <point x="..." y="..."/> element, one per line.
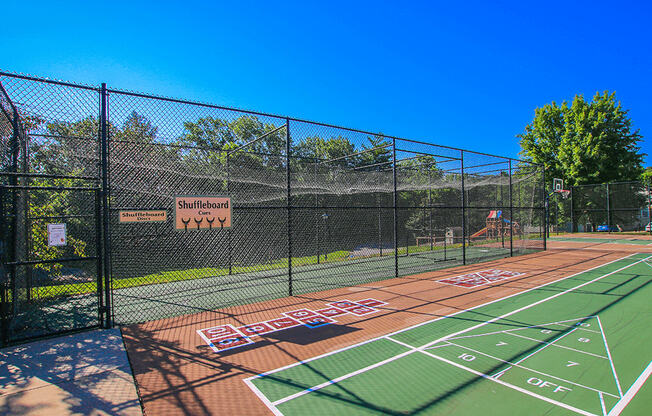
<point x="497" y="226"/>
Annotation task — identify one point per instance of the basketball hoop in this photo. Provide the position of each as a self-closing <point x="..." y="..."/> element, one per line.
<point x="557" y="185"/>
<point x="558" y="188"/>
<point x="564" y="193"/>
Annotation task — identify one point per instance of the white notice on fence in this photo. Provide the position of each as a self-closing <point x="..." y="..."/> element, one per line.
<point x="56" y="234"/>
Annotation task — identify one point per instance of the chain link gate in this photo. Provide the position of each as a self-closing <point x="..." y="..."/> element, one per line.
<point x="45" y="284"/>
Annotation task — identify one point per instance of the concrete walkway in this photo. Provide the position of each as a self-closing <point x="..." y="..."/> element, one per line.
<point x="80" y="374"/>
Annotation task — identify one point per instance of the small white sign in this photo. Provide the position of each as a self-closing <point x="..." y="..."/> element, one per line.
<point x="56" y="235"/>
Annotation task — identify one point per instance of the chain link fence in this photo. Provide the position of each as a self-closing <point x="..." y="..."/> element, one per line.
<point x="314" y="206"/>
<point x="607" y="207"/>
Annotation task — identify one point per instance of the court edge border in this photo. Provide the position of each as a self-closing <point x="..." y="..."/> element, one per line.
<point x="249" y="380"/>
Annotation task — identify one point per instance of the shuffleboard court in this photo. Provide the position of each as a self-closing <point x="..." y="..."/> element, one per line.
<point x="577" y="346"/>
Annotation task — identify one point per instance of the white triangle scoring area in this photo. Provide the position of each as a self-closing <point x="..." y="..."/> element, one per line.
<point x="573" y="351"/>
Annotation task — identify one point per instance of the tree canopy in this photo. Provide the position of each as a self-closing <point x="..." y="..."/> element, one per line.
<point x="584" y="142"/>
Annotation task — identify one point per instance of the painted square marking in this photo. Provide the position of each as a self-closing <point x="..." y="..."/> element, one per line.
<point x="329" y="312"/>
<point x="480" y="278"/>
<point x="224" y="337"/>
<point x="256" y="329"/>
<point x="361" y="310"/>
<point x="229" y="342"/>
<point x="316" y="321"/>
<point x="283" y="323"/>
<point x="371" y="302"/>
<point x="220" y="331"/>
<point x="300" y="313"/>
<point x="343" y="304"/>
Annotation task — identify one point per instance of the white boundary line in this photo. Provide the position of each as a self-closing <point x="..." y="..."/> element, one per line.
<point x="519" y="389"/>
<point x="249" y="380"/>
<point x="547" y="344"/>
<point x="611" y="362"/>
<point x="559" y="346"/>
<point x="615" y="411"/>
<point x="604" y="408"/>
<point x="262" y="397"/>
<point x="501" y="372"/>
<point x="344" y="377"/>
<point x="530" y="327"/>
<point x="580" y="328"/>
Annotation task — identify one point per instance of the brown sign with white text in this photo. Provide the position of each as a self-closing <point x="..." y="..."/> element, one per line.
<point x="202" y="212"/>
<point x="143" y="216"/>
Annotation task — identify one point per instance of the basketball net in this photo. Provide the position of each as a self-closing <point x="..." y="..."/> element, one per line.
<point x="564" y="193"/>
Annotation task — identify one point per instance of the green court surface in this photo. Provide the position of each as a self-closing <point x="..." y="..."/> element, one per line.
<point x="580" y="345"/>
<point x="153" y="301"/>
<point x="162" y="300"/>
<point x="597" y="240"/>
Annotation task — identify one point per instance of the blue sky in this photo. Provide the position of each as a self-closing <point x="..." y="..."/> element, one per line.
<point x="465" y="74"/>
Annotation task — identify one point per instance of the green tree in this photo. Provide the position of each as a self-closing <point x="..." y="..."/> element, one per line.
<point x="72" y="148"/>
<point x="584" y="142"/>
<point x="380" y="154"/>
<point x="315" y="147"/>
<point x="208" y="139"/>
<point x="646" y="176"/>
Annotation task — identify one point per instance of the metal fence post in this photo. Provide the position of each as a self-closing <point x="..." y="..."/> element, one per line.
<point x="463" y="210"/>
<point x="13" y="180"/>
<point x="4" y="295"/>
<point x="572" y="217"/>
<point x="289" y="207"/>
<point x="105" y="205"/>
<point x="27" y="223"/>
<point x="647" y="193"/>
<point x="316" y="215"/>
<point x="608" y="212"/>
<point x="100" y="255"/>
<point x="380" y="226"/>
<point x="511" y="213"/>
<point x="395" y="206"/>
<point x="228" y="192"/>
<point x="544" y="218"/>
<point x="430" y="207"/>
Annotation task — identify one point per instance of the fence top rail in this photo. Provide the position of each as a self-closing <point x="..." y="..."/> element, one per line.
<point x="48" y="81"/>
<point x="259" y="113"/>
